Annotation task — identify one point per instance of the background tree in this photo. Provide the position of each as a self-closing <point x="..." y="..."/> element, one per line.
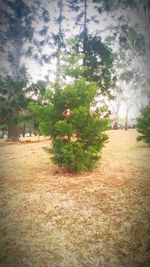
<point x="15" y="96"/>
<point x="60" y="36"/>
<point x="98" y="58"/>
<point x="17" y="34"/>
<point x="137" y="34"/>
<point x="130" y="84"/>
<point x="115" y="105"/>
<point x="19" y="29"/>
<point x="34" y="112"/>
<point x="131" y="26"/>
<point x="12" y="100"/>
<point x="16" y="21"/>
<point x="56" y="36"/>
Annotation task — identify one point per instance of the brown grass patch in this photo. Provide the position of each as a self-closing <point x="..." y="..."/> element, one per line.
<point x="52" y="218"/>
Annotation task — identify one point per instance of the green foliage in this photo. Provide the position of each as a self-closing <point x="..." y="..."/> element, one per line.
<point x="98" y="59"/>
<point x="136" y="39"/>
<point x="77" y="138"/>
<point x="15" y="96"/>
<point x="12" y="99"/>
<point x="18" y="19"/>
<point x="143" y="125"/>
<point x="74" y="156"/>
<point x="73" y="60"/>
<point x="127" y="76"/>
<point x="38" y="114"/>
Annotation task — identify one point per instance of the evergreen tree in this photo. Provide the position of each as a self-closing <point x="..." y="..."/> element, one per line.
<point x="77" y="135"/>
<point x="65" y="114"/>
<point x="36" y="109"/>
<point x="12" y="100"/>
<point x="20" y="33"/>
<point x="15" y="94"/>
<point x="59" y="38"/>
<point x="17" y="28"/>
<point x="143" y="125"/>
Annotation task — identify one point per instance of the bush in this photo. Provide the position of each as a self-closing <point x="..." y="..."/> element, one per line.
<point x="143" y="125"/>
<point x="77" y="136"/>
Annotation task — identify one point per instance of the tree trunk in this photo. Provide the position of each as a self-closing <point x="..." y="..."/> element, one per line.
<point x="13" y="132"/>
<point x="24" y="129"/>
<point x="126" y="120"/>
<point x="13" y="127"/>
<point x="60" y="35"/>
<point x="85" y="33"/>
<point x="147" y="37"/>
<point x="18" y="43"/>
<point x="85" y="15"/>
<point x="115" y="126"/>
<point x="116" y="119"/>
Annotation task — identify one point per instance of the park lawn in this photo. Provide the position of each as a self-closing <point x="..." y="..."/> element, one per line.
<point x="51" y="218"/>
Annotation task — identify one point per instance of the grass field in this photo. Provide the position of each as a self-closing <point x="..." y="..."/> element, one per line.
<point x="50" y="218"/>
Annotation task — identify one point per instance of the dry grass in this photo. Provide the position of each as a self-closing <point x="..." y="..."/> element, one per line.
<point x="50" y="218"/>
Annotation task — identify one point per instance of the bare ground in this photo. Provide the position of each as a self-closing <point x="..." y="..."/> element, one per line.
<point x="50" y="218"/>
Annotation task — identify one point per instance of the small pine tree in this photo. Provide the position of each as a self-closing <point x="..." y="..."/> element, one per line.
<point x="143" y="125"/>
<point x="64" y="114"/>
<point x="77" y="135"/>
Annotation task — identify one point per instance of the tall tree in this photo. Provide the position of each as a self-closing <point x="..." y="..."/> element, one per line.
<point x="19" y="33"/>
<point x="55" y="36"/>
<point x="16" y="24"/>
<point x="15" y="95"/>
<point x="98" y="57"/>
<point x="60" y="35"/>
<point x="131" y="21"/>
<point x="12" y="100"/>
